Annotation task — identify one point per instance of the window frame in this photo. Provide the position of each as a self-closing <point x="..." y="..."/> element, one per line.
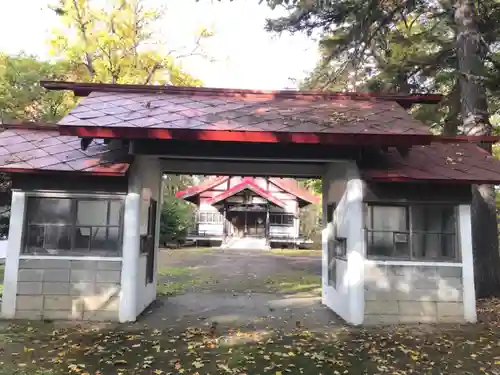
<point x="75" y="199"/>
<point x="281" y="221"/>
<point x="215" y="217"/>
<point x="410" y="232"/>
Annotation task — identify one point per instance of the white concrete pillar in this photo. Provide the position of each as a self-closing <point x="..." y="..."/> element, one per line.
<point x="15" y="241"/>
<point x="465" y="237"/>
<point x="356" y="251"/>
<point x="130" y="258"/>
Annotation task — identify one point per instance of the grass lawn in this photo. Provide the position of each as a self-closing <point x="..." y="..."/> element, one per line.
<point x="296" y="252"/>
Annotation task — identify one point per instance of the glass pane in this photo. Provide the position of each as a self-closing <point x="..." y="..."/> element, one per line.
<point x="114" y="212"/>
<point x="433" y="245"/>
<point x="49" y="210"/>
<point x="92" y="212"/>
<point x="390" y="218"/>
<point x="35" y="236"/>
<point x="57" y="238"/>
<point x="437" y="219"/>
<point x="82" y="238"/>
<point x="105" y="239"/>
<point x="380" y="243"/>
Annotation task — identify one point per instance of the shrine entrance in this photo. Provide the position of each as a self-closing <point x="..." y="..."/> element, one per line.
<point x="98" y="173"/>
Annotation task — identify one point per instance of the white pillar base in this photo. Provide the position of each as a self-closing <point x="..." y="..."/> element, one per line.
<point x="17" y="213"/>
<point x="131" y="243"/>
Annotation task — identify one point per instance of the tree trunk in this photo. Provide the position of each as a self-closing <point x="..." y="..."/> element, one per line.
<point x="474" y="105"/>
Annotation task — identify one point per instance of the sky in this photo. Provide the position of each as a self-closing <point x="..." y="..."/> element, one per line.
<point x="242" y="54"/>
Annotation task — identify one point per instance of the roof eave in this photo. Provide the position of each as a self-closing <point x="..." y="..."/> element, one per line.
<point x="84" y="89"/>
<point x="126" y="132"/>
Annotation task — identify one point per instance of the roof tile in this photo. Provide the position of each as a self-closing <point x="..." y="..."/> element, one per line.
<point x="45" y="150"/>
<point x="452" y="162"/>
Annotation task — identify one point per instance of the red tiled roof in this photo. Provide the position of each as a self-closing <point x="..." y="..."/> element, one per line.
<point x="247" y="183"/>
<point x="448" y="162"/>
<point x="25" y="149"/>
<point x="205" y="185"/>
<point x="170" y="113"/>
<point x="287" y="184"/>
<point x="291" y="186"/>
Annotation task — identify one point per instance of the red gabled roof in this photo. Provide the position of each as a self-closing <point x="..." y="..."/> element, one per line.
<point x="39" y="148"/>
<point x="203" y="186"/>
<point x="291" y="186"/>
<point x="438" y="162"/>
<point x="247" y="183"/>
<point x="193" y="113"/>
<point x="287" y="184"/>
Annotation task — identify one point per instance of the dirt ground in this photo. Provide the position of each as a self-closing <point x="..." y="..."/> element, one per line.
<point x="247" y="313"/>
<point x="247" y="288"/>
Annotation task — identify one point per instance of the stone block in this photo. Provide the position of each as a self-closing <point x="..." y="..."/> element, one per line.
<point x="370" y="320"/>
<point x="381" y="307"/>
<point x="44" y="263"/>
<point x="56" y="288"/>
<point x="375" y="271"/>
<point x="450" y="294"/>
<point x="380" y="295"/>
<point x="450" y="272"/>
<point x="102" y="303"/>
<point x="101" y="316"/>
<point x="29" y="303"/>
<point x="82" y="275"/>
<point x="62" y="315"/>
<point x="29" y="288"/>
<point x="109" y="265"/>
<point x="61" y="275"/>
<point x="108" y="276"/>
<point x="445" y="309"/>
<point x="106" y="288"/>
<point x="83" y="264"/>
<point x="30" y="275"/>
<point x="451" y="319"/>
<point x="28" y="314"/>
<point x="82" y="289"/>
<point x="413" y="319"/>
<point x="58" y="303"/>
<point x="417" y="308"/>
<point x="417" y="295"/>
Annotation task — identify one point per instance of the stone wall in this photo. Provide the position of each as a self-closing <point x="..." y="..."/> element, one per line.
<point x="413" y="294"/>
<point x="68" y="289"/>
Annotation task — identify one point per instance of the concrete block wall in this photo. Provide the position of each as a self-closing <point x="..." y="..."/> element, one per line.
<point x="68" y="289"/>
<point x="413" y="294"/>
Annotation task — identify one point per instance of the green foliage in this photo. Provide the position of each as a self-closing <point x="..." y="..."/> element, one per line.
<point x="115" y="42"/>
<point x="402" y="47"/>
<point x="22" y="98"/>
<point x="177" y="216"/>
<point x="176" y="219"/>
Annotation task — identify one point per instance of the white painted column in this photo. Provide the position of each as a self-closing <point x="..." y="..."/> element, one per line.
<point x="15" y="241"/>
<point x="325" y="236"/>
<point x="469" y="291"/>
<point x="130" y="256"/>
<point x="356" y="251"/>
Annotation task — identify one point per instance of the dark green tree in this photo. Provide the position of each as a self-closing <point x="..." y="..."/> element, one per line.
<point x="407" y="46"/>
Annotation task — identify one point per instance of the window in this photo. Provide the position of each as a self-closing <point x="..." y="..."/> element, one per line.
<point x="281" y="219"/>
<point x="209" y="217"/>
<point x="418" y="232"/>
<point x="64" y="226"/>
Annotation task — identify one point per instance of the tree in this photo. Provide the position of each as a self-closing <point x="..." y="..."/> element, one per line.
<point x="177" y="216"/>
<point x="410" y="46"/>
<point x="471" y="52"/>
<point x="22" y="97"/>
<point x="115" y="42"/>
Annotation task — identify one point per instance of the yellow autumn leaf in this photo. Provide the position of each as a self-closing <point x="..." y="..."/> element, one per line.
<point x="197" y="364"/>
